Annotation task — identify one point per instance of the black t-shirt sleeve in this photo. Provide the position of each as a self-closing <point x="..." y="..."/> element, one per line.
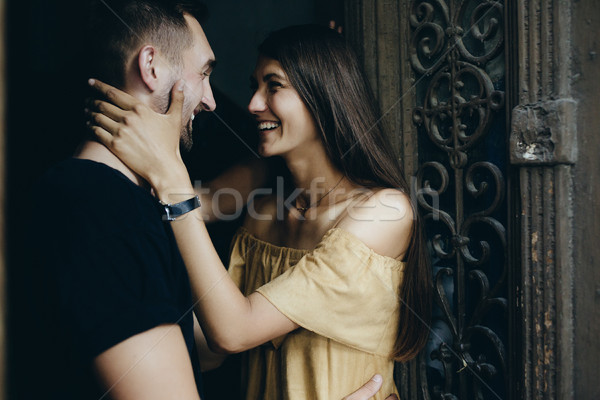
<point x="108" y="258"/>
<point x="114" y="287"/>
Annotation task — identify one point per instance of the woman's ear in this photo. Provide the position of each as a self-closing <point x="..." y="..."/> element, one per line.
<point x="148" y="65"/>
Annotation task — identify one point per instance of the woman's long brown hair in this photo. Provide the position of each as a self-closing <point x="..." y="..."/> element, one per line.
<point x="327" y="75"/>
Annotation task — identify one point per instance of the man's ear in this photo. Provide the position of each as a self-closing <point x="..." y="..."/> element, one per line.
<point x="148" y="65"/>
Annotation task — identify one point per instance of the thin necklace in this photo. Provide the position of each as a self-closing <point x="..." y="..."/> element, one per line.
<point x="303" y="210"/>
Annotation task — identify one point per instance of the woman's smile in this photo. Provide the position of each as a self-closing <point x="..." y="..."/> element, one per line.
<point x="267" y="126"/>
<point x="283" y="121"/>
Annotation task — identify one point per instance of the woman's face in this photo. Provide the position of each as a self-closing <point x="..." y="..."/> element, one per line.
<point x="285" y="125"/>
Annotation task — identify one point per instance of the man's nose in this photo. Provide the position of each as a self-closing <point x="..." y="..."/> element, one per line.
<point x="208" y="100"/>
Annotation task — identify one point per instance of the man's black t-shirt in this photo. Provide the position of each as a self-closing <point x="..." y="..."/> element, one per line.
<point x="107" y="268"/>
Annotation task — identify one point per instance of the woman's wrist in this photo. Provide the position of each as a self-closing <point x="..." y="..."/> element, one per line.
<point x="174" y="186"/>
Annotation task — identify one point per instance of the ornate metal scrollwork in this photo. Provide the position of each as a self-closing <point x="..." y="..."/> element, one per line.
<point x="457" y="53"/>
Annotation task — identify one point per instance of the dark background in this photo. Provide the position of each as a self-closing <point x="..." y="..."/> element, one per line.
<point x="45" y="100"/>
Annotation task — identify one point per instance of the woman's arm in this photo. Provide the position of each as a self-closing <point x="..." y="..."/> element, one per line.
<point x="231" y="321"/>
<point x="208" y="359"/>
<point x="149" y="144"/>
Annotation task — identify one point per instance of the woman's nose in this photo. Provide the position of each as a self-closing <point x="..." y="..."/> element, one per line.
<point x="257" y="103"/>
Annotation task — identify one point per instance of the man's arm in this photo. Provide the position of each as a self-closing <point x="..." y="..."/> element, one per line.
<point x="155" y="365"/>
<point x="151" y="365"/>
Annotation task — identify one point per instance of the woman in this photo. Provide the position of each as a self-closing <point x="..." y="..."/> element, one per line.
<point x="335" y="281"/>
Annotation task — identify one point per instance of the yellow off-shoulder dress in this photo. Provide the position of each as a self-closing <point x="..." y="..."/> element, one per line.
<point x="345" y="298"/>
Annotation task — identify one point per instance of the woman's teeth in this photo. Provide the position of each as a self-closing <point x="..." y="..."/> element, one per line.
<point x="263" y="126"/>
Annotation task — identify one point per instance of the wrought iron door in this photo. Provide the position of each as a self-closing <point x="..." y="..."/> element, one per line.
<point x="457" y="52"/>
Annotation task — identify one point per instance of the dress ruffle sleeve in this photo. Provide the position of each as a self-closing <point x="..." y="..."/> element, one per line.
<point x="341" y="290"/>
<point x="237" y="262"/>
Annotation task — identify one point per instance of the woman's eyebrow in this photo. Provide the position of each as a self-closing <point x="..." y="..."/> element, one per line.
<point x="272" y="75"/>
<point x="266" y="78"/>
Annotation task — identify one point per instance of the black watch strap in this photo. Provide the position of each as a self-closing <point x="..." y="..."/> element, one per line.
<point x="172" y="211"/>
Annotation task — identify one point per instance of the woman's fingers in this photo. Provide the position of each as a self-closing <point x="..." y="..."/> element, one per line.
<point x="103" y="136"/>
<point x="177" y="97"/>
<point x="105" y="122"/>
<point x="111" y="111"/>
<point x="114" y="95"/>
<point x="333" y="25"/>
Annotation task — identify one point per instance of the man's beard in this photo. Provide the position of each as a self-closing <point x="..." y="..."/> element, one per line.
<point x="186" y="140"/>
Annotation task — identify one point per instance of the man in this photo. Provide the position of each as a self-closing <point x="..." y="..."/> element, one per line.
<point x="117" y="317"/>
<point x="116" y="295"/>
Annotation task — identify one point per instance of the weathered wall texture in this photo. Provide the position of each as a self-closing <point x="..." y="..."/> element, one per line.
<point x="544" y="149"/>
<point x="556" y="127"/>
<point x="2" y="169"/>
<point x="586" y="199"/>
<point x="554" y="89"/>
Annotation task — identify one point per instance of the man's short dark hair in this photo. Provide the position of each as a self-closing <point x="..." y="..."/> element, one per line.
<point x="119" y="27"/>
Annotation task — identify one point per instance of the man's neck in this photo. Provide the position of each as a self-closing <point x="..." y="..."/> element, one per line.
<point x="95" y="151"/>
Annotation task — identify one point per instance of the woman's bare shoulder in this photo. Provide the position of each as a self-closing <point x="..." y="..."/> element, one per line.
<point x="382" y="220"/>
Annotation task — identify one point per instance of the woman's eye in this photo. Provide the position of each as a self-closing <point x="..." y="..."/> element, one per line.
<point x="273" y="86"/>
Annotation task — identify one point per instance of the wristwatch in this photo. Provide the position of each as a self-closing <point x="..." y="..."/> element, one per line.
<point x="173" y="211"/>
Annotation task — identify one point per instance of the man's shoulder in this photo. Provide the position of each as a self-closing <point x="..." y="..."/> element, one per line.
<point x="75" y="175"/>
<point x="83" y="207"/>
<point x="88" y="190"/>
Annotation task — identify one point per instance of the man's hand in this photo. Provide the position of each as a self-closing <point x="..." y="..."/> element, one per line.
<point x="369" y="390"/>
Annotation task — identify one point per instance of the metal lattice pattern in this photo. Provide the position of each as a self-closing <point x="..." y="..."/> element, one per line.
<point x="457" y="52"/>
